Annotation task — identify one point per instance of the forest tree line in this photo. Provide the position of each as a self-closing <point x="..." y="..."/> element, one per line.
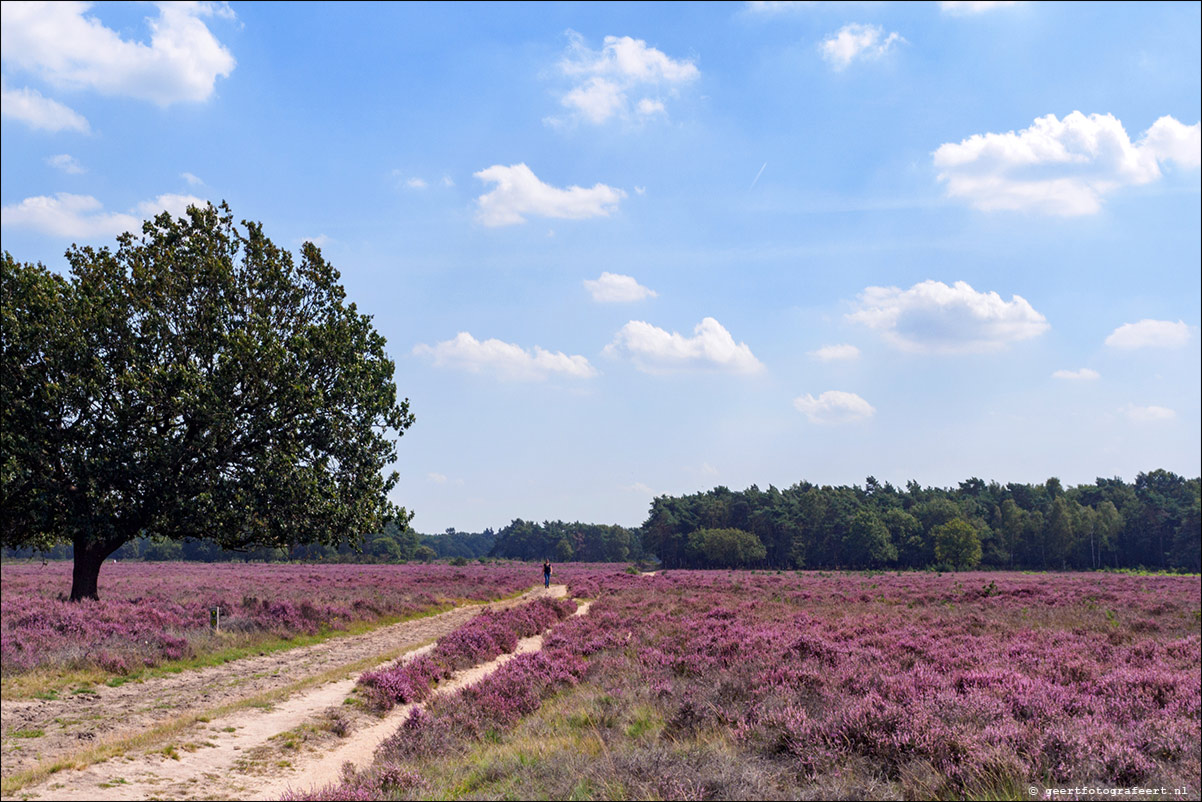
<point x="391" y="545"/>
<point x="1151" y="523"/>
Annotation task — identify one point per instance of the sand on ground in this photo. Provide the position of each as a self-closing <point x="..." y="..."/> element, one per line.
<point x="250" y="753"/>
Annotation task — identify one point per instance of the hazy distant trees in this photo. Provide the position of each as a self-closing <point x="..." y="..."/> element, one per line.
<point x="561" y="542"/>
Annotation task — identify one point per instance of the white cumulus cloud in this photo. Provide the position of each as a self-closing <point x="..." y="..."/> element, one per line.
<point x="932" y="317"/>
<point x="38" y="112"/>
<point x="647" y="107"/>
<point x="505" y="360"/>
<point x="856" y="41"/>
<point x="654" y="350"/>
<point x="1062" y="167"/>
<point x="62" y="44"/>
<point x="83" y="217"/>
<point x="834" y="406"/>
<point x="1084" y="374"/>
<point x="1149" y="414"/>
<point x="193" y="181"/>
<point x="519" y="192"/>
<point x="597" y="99"/>
<point x="605" y="79"/>
<point x="1170" y="140"/>
<point x="834" y="353"/>
<point x="173" y="203"/>
<point x="1149" y="334"/>
<point x="67" y="163"/>
<point x="616" y="288"/>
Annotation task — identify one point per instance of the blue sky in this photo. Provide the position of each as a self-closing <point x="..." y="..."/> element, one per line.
<point x="625" y="250"/>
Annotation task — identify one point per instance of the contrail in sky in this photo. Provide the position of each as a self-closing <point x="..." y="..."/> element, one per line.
<point x="757" y="176"/>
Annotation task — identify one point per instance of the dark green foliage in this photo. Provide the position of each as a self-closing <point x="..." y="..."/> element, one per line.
<point x="957" y="544"/>
<point x="563" y="542"/>
<point x="868" y="541"/>
<point x="195" y="383"/>
<point x="471" y="545"/>
<point x="1152" y="523"/>
<point x="725" y="548"/>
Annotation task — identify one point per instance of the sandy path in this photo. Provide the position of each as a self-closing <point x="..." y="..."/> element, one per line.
<point x="213" y="760"/>
<point x="360" y="748"/>
<point x="78" y="721"/>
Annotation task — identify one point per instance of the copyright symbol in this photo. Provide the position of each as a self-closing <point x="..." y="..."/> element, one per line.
<point x="1032" y="790"/>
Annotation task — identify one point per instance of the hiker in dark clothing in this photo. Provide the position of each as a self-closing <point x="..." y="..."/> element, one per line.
<point x="546" y="573"/>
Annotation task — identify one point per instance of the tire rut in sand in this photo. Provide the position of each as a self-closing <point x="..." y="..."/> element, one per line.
<point x="248" y="754"/>
<point x="360" y="749"/>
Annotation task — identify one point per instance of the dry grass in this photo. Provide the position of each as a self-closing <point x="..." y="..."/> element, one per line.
<point x="611" y="738"/>
<point x="222" y="648"/>
<point x="590" y="743"/>
<point x="155" y="736"/>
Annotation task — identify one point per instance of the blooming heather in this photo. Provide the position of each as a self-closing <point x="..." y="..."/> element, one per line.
<point x="160" y="611"/>
<point x="488" y="635"/>
<point x="923" y="686"/>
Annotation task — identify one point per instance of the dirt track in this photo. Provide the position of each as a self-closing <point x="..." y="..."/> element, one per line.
<point x="248" y="753"/>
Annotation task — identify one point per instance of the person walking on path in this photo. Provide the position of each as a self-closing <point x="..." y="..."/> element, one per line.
<point x="546" y="573"/>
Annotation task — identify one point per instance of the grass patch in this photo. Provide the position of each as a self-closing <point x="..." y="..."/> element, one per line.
<point x="543" y="757"/>
<point x="119" y="745"/>
<point x="46" y="683"/>
<point x="603" y="739"/>
<point x="146" y="739"/>
<point x="26" y="734"/>
<point x="646" y="721"/>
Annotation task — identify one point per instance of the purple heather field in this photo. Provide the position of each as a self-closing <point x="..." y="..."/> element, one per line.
<point x="911" y="686"/>
<point x="151" y="612"/>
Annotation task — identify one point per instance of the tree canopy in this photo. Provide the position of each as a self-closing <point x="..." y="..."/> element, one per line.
<point x="196" y="382"/>
<point x="1153" y="523"/>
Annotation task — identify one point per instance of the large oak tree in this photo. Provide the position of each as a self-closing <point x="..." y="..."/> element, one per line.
<point x="196" y="382"/>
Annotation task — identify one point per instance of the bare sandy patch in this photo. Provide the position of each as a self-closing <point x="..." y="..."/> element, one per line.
<point x="246" y="753"/>
<point x="360" y="749"/>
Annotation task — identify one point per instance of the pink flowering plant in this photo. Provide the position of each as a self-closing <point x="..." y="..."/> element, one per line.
<point x="849" y="685"/>
<point x="154" y="612"/>
<point x="488" y="635"/>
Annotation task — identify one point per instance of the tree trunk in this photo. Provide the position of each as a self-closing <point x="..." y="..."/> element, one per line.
<point x="88" y="557"/>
